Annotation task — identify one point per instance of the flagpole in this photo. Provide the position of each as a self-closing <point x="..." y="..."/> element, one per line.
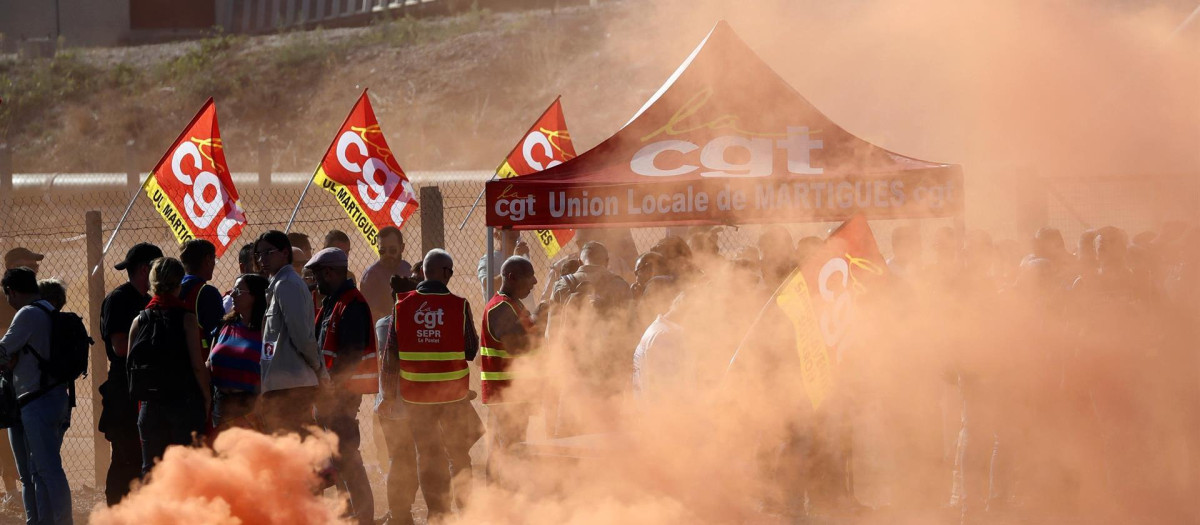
<point x="473" y="206"/>
<point x="296" y="210"/>
<point x="119" y="223"/>
<point x="142" y="188"/>
<point x="510" y="152"/>
<point x="757" y="318"/>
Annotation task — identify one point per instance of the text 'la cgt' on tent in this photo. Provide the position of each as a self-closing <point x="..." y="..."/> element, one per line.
<point x="726" y="141"/>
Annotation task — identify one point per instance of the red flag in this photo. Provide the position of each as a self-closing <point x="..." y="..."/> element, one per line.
<point x="818" y="299"/>
<point x="362" y="173"/>
<point x="191" y="187"/>
<point x="545" y="145"/>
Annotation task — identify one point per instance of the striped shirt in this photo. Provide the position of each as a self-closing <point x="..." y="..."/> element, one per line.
<point x="235" y="356"/>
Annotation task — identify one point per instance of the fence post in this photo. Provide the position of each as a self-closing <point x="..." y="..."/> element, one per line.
<point x="6" y="173"/>
<point x="264" y="162"/>
<point x="433" y="219"/>
<point x="131" y="169"/>
<point x="99" y="373"/>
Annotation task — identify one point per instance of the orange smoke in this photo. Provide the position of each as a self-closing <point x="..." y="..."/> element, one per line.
<point x="246" y="477"/>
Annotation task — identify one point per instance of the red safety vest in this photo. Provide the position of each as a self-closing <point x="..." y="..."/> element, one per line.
<point x="494" y="360"/>
<point x="429" y="338"/>
<point x="365" y="379"/>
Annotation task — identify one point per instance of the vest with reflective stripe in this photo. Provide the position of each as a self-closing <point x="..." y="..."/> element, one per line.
<point x="429" y="338"/>
<point x="494" y="360"/>
<point x="365" y="379"/>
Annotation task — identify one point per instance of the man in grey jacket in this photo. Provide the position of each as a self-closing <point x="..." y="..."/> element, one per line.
<point x="46" y="411"/>
<point x="292" y="368"/>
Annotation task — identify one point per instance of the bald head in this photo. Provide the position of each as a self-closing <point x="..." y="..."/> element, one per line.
<point x="438" y="265"/>
<point x="516" y="266"/>
<point x="517" y="277"/>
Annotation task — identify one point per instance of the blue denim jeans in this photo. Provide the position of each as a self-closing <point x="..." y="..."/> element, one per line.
<point x="37" y="445"/>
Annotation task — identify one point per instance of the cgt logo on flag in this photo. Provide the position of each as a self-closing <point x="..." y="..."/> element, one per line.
<point x="819" y="301"/>
<point x="546" y="145"/>
<point x="362" y="173"/>
<point x="191" y="187"/>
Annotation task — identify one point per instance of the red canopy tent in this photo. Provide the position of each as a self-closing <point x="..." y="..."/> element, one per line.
<point x="726" y="141"/>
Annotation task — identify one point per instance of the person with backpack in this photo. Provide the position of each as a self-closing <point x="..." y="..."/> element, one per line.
<point x="118" y="418"/>
<point x="199" y="258"/>
<point x="166" y="367"/>
<point x="590" y="319"/>
<point x="608" y="290"/>
<point x="14" y="258"/>
<point x="45" y="402"/>
<point x="235" y="355"/>
<point x="346" y="336"/>
<point x="291" y="363"/>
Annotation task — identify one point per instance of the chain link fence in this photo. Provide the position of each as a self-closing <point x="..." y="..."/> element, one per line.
<point x="46" y="213"/>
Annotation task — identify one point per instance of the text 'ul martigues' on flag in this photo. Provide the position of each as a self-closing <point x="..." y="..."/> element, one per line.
<point x="362" y="174"/>
<point x="545" y="145"/>
<point x="191" y="187"/>
<point x="819" y="301"/>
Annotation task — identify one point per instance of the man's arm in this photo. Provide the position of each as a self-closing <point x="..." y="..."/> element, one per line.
<point x="389" y="365"/>
<point x="209" y="312"/>
<point x="198" y="357"/>
<point x="17" y="336"/>
<point x="115" y="319"/>
<point x="481" y="274"/>
<point x="470" y="336"/>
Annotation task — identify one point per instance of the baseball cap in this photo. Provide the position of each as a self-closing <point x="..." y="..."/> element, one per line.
<point x="21" y="253"/>
<point x="140" y="253"/>
<point x="330" y="257"/>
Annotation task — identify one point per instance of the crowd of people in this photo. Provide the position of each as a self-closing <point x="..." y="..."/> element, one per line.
<point x="1057" y="362"/>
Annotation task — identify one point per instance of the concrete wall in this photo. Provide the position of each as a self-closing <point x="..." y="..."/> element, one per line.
<point x="81" y="22"/>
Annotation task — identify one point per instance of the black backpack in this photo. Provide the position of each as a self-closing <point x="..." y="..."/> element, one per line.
<point x="157" y="363"/>
<point x="69" y="346"/>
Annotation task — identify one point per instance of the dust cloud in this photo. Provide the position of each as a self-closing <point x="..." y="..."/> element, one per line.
<point x="981" y="382"/>
<point x="246" y="477"/>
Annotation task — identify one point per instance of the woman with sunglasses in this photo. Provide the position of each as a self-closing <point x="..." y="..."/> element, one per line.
<point x="235" y="355"/>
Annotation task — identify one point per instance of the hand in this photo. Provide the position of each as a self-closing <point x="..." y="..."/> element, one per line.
<point x="522" y="249"/>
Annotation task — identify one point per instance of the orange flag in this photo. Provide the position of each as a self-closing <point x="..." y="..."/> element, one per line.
<point x="362" y="173"/>
<point x="191" y="187"/>
<point x="546" y="144"/>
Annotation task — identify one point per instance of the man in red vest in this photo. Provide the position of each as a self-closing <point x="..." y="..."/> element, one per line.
<point x="508" y="332"/>
<point x="346" y="337"/>
<point x="435" y="338"/>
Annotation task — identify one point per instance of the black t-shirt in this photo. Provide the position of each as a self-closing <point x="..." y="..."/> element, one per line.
<point x="208" y="308"/>
<point x="120" y="308"/>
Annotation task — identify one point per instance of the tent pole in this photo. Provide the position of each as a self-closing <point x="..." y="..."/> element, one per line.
<point x="490" y="286"/>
